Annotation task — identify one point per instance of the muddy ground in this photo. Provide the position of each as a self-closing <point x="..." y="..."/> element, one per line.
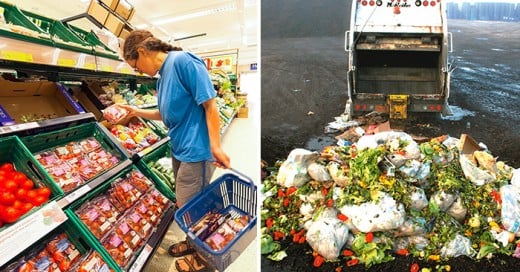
<point x="304" y="88"/>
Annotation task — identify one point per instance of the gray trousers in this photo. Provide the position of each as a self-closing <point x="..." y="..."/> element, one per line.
<point x="190" y="177"/>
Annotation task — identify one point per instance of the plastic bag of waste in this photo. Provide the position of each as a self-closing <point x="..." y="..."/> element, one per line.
<point x="460" y="245"/>
<point x="327" y="236"/>
<point x="418" y="197"/>
<point x="473" y="173"/>
<point x="457" y="210"/>
<point x="511" y="208"/>
<point x="380" y="215"/>
<point x="293" y="171"/>
<point x="443" y="200"/>
<point x="411" y="227"/>
<point x="318" y="172"/>
<point x="307" y="210"/>
<point x="515" y="179"/>
<point x="393" y="140"/>
<point x="416" y="170"/>
<point x="338" y="173"/>
<point x="420" y="242"/>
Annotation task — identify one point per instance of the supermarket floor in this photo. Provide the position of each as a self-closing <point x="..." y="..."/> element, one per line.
<point x="241" y="142"/>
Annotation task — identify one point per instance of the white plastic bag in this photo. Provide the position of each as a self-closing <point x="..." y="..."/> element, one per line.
<point x="443" y="200"/>
<point x="411" y="227"/>
<point x="473" y="173"/>
<point x="384" y="214"/>
<point x="515" y="180"/>
<point x="511" y="208"/>
<point x="338" y="174"/>
<point x="293" y="171"/>
<point x="457" y="210"/>
<point x="419" y="199"/>
<point x="460" y="245"/>
<point x="318" y="172"/>
<point x="327" y="237"/>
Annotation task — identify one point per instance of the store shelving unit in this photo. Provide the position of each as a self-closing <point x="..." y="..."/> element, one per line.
<point x="39" y="47"/>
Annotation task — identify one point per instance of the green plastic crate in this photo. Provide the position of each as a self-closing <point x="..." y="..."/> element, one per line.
<point x="54" y="27"/>
<point x="89" y="37"/>
<point x="15" y="16"/>
<point x="45" y="141"/>
<point x="76" y="237"/>
<point x="161" y="185"/>
<point x="12" y="150"/>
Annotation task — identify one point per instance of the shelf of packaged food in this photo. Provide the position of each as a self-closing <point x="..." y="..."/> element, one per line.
<point x="93" y="184"/>
<point x="150" y="149"/>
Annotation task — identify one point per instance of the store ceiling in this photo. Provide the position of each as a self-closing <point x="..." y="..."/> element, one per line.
<point x="216" y="25"/>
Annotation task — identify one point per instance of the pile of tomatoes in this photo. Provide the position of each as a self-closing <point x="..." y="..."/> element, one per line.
<point x="18" y="194"/>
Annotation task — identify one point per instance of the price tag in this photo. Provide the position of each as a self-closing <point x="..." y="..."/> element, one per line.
<point x="75" y="195"/>
<point x="125" y="70"/>
<point x="16" y="55"/>
<point x="67" y="62"/>
<point x="107" y="68"/>
<point x="19" y="127"/>
<point x="141" y="259"/>
<point x="90" y="66"/>
<point x="17" y="237"/>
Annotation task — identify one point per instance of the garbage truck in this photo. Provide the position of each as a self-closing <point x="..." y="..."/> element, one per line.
<point x="398" y="58"/>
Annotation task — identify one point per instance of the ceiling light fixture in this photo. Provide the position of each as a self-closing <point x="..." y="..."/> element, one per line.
<point x="197" y="14"/>
<point x="190" y="37"/>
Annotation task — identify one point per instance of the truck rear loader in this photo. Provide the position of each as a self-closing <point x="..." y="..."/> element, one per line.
<point x="398" y="58"/>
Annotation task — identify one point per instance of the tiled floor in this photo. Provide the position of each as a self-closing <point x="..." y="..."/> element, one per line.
<point x="242" y="143"/>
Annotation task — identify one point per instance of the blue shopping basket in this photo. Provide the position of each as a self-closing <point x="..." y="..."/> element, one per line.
<point x="227" y="194"/>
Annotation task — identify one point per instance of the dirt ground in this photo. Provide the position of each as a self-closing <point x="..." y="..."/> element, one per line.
<point x="304" y="88"/>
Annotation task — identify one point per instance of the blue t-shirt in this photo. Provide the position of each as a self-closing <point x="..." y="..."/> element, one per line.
<point x="183" y="86"/>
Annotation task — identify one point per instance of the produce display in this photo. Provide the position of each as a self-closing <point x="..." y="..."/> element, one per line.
<point x="134" y="136"/>
<point x="18" y="194"/>
<point x="163" y="169"/>
<point x="387" y="195"/>
<point x="77" y="162"/>
<point x="59" y="254"/>
<point x="123" y="217"/>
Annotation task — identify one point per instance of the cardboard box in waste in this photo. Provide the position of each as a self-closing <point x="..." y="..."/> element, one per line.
<point x="468" y="145"/>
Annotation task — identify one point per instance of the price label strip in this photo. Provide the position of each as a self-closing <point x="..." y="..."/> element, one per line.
<point x="141" y="259"/>
<point x="17" y="56"/>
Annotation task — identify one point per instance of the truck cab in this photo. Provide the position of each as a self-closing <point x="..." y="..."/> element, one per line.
<point x="398" y="58"/>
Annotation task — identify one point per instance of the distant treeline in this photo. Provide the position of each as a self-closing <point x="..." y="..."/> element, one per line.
<point x="484" y="11"/>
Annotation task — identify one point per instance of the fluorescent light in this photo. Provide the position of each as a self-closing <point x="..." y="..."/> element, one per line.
<point x="141" y="26"/>
<point x="197" y="14"/>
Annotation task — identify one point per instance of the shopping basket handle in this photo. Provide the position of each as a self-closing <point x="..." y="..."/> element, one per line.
<point x="236" y="172"/>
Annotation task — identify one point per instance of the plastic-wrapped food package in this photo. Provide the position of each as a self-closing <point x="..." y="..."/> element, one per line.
<point x="293" y="171"/>
<point x="443" y="200"/>
<point x="327" y="237"/>
<point x="114" y="114"/>
<point x="457" y="210"/>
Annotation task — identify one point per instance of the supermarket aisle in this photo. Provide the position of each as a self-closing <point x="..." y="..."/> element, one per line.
<point x="242" y="143"/>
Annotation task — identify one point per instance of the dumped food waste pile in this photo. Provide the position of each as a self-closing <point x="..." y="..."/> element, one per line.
<point x="381" y="193"/>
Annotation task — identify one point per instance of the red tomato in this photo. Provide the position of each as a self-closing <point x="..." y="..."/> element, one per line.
<point x="27" y="206"/>
<point x="10" y="185"/>
<point x="44" y="191"/>
<point x="7" y="198"/>
<point x="21" y="193"/>
<point x="414" y="267"/>
<point x="10" y="214"/>
<point x="369" y="237"/>
<point x="8" y="167"/>
<point x="19" y="177"/>
<point x="31" y="194"/>
<point x="39" y="200"/>
<point x="27" y="184"/>
<point x="318" y="261"/>
<point x="17" y="204"/>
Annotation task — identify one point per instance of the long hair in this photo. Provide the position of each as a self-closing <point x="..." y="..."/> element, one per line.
<point x="144" y="38"/>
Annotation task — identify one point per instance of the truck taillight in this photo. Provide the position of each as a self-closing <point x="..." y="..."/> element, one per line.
<point x="425" y="3"/>
<point x="432" y="3"/>
<point x="371" y="3"/>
